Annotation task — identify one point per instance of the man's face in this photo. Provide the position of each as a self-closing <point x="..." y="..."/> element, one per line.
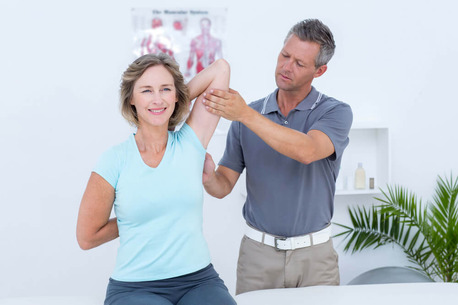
<point x="296" y="69"/>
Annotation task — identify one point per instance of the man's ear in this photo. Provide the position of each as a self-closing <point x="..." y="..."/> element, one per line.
<point x="320" y="71"/>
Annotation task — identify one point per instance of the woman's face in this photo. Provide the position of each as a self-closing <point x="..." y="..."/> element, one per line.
<point x="154" y="96"/>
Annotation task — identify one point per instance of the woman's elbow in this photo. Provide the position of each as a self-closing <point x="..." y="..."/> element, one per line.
<point x="223" y="65"/>
<point x="220" y="195"/>
<point x="84" y="245"/>
<point x="84" y="242"/>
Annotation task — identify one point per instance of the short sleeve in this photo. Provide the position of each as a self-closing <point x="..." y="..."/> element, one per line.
<point x="233" y="154"/>
<point x="336" y="123"/>
<point x="108" y="166"/>
<point x="186" y="133"/>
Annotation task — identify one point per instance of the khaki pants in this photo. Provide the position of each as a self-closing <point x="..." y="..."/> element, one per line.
<point x="263" y="267"/>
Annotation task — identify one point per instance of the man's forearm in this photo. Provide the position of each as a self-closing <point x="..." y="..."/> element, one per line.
<point x="302" y="147"/>
<point x="287" y="141"/>
<point x="218" y="185"/>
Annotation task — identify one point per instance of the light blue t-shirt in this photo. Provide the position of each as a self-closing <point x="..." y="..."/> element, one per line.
<point x="159" y="210"/>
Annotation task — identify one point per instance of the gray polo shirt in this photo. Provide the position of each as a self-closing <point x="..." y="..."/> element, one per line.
<point x="286" y="197"/>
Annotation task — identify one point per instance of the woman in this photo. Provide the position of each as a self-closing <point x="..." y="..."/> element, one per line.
<point x="154" y="181"/>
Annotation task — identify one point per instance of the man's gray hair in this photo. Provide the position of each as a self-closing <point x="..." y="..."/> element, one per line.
<point x="314" y="30"/>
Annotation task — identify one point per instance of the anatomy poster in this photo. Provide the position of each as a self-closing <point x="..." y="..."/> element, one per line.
<point x="193" y="37"/>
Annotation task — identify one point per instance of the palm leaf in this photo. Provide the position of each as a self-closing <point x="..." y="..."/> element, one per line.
<point x="443" y="238"/>
<point x="428" y="234"/>
<point x="371" y="228"/>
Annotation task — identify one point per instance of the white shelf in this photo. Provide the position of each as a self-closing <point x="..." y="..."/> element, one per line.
<point x="358" y="192"/>
<point x="371" y="146"/>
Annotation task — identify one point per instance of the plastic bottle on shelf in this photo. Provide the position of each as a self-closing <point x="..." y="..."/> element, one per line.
<point x="371" y="183"/>
<point x="360" y="177"/>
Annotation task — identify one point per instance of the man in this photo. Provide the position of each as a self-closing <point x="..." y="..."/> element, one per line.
<point x="291" y="144"/>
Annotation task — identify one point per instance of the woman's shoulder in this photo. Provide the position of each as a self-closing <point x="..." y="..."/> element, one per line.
<point x="120" y="150"/>
<point x="185" y="134"/>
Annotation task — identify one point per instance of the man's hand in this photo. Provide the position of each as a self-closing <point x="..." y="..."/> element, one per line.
<point x="209" y="168"/>
<point x="228" y="104"/>
<point x="218" y="183"/>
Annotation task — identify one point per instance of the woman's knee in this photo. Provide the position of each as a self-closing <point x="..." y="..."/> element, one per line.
<point x="137" y="298"/>
<point x="208" y="295"/>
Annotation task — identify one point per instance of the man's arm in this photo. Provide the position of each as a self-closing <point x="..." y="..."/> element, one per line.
<point x="218" y="183"/>
<point x="302" y="147"/>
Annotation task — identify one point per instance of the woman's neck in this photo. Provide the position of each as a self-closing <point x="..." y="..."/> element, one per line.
<point x="151" y="139"/>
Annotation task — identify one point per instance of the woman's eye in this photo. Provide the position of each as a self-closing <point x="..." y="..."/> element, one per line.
<point x="166" y="89"/>
<point x="146" y="91"/>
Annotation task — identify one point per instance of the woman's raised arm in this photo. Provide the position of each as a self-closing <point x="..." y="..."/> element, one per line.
<point x="215" y="76"/>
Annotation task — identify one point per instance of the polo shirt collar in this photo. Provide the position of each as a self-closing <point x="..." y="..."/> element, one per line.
<point x="310" y="101"/>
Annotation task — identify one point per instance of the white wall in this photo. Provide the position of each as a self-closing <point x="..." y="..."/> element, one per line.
<point x="61" y="63"/>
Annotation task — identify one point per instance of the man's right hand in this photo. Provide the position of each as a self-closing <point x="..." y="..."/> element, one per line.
<point x="218" y="183"/>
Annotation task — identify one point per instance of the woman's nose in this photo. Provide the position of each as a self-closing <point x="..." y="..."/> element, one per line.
<point x="155" y="96"/>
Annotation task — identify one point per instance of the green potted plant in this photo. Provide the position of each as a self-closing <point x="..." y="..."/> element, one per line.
<point x="427" y="233"/>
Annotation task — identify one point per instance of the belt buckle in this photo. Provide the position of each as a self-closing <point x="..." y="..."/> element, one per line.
<point x="276" y="239"/>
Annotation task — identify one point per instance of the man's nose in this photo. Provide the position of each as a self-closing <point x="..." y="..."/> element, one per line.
<point x="287" y="64"/>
